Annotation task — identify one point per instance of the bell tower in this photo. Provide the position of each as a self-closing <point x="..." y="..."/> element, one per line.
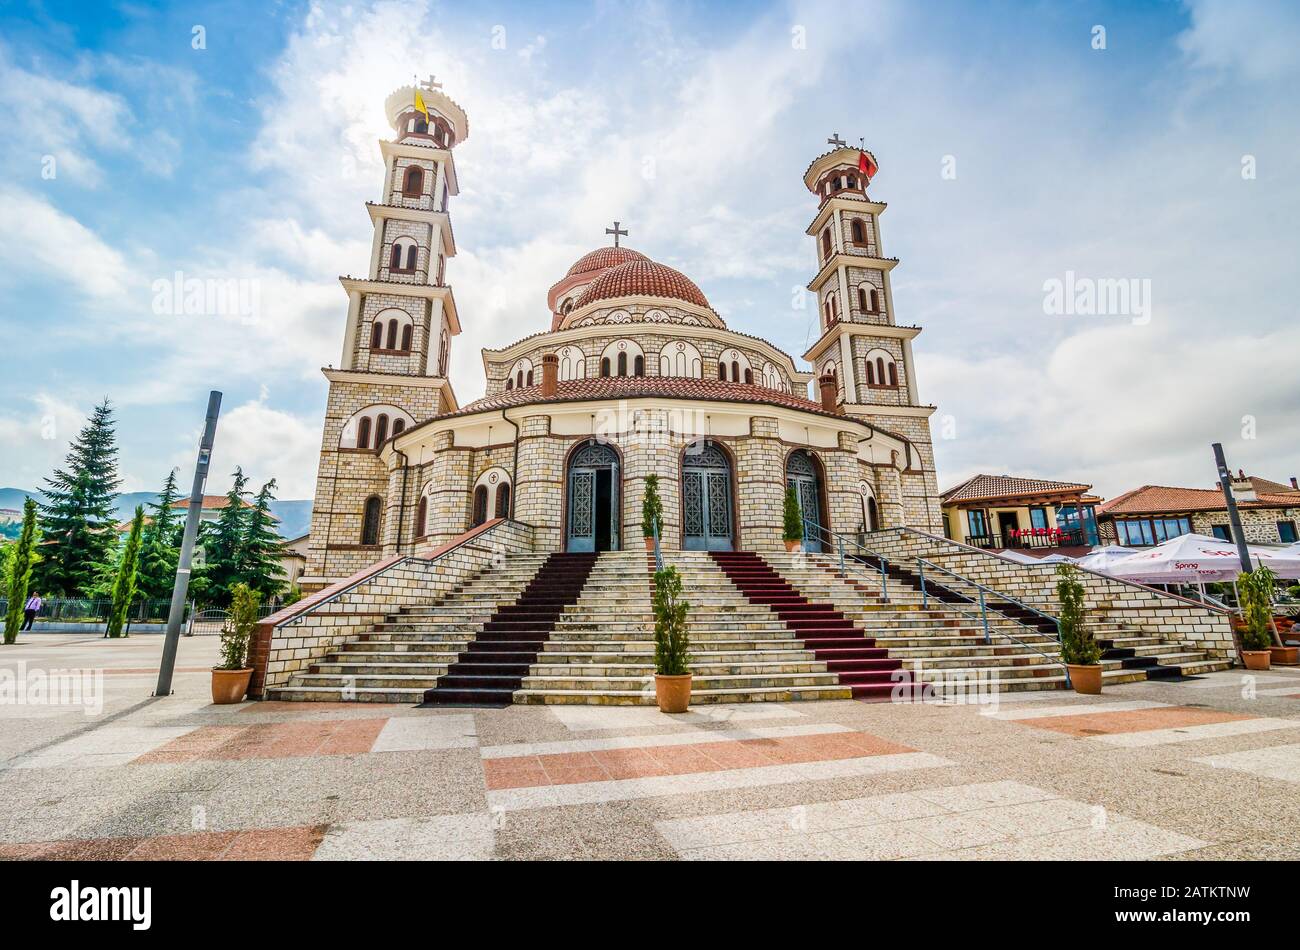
<point x="401" y="318"/>
<point x="860" y="345"/>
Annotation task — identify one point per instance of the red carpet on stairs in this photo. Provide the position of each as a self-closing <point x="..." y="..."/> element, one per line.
<point x="496" y="661"/>
<point x="855" y="659"/>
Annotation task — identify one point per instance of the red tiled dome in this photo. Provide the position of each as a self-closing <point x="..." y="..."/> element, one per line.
<point x="604" y="257"/>
<point x="642" y="278"/>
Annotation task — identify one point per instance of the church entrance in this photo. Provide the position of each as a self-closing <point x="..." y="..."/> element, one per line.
<point x="801" y="475"/>
<point x="706" y="499"/>
<point x="592" y="499"/>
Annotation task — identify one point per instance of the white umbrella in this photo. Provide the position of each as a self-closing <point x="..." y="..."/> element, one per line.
<point x="1013" y="555"/>
<point x="1101" y="559"/>
<point x="1056" y="559"/>
<point x="1196" y="558"/>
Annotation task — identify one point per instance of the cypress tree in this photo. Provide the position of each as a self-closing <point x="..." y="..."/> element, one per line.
<point x="78" y="519"/>
<point x="160" y="545"/>
<point x="124" y="589"/>
<point x="263" y="547"/>
<point x="20" y="558"/>
<point x="223" y="546"/>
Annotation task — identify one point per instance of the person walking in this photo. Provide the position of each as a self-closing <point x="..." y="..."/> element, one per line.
<point x="30" y="610"/>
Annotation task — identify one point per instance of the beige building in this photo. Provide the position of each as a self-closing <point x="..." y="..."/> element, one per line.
<point x="1152" y="514"/>
<point x="1005" y="511"/>
<point x="633" y="372"/>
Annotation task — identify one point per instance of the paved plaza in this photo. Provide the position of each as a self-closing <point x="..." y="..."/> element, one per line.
<point x="1204" y="768"/>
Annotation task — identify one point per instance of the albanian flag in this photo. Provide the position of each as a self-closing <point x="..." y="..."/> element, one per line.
<point x="866" y="165"/>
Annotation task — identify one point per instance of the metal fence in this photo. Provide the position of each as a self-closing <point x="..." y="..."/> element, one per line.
<point x="74" y="612"/>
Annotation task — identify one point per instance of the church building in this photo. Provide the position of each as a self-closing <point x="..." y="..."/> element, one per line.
<point x="632" y="372"/>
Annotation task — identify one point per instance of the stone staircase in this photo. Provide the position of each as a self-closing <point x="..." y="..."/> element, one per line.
<point x="942" y="641"/>
<point x="602" y="649"/>
<point x="405" y="655"/>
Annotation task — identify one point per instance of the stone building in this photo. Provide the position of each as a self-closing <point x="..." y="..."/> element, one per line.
<point x="1152" y="514"/>
<point x="634" y="373"/>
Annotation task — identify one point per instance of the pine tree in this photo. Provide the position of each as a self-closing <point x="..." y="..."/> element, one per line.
<point x="124" y="589"/>
<point x="263" y="547"/>
<point x="160" y="545"/>
<point x="78" y="520"/>
<point x="19" y="559"/>
<point x="223" y="546"/>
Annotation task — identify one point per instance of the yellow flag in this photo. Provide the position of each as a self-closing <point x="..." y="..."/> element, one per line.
<point x="420" y="106"/>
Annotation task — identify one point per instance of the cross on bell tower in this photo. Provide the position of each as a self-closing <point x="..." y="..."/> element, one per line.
<point x="836" y="140"/>
<point x="428" y="85"/>
<point x="615" y="230"/>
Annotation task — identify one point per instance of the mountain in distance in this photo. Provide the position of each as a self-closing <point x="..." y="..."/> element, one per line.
<point x="294" y="514"/>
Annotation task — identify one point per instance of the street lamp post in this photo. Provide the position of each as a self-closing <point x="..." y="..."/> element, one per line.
<point x="182" y="586"/>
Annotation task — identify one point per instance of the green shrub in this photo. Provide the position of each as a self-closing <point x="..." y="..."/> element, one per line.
<point x="792" y="515"/>
<point x="652" y="508"/>
<point x="238" y="630"/>
<point x="1257" y="608"/>
<point x="671" y="641"/>
<point x="1078" y="648"/>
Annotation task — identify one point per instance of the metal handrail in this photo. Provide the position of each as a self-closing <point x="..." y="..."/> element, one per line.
<point x="839" y="540"/>
<point x="980" y="588"/>
<point x="659" y="556"/>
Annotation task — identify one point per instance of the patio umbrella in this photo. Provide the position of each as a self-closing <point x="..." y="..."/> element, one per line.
<point x="1186" y="559"/>
<point x="1101" y="559"/>
<point x="1056" y="559"/>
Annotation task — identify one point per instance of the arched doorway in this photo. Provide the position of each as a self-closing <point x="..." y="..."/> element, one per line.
<point x="706" y="498"/>
<point x="592" y="501"/>
<point x="802" y="474"/>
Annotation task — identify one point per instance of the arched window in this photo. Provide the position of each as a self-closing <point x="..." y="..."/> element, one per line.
<point x="893" y="375"/>
<point x="399" y="426"/>
<point x="680" y="359"/>
<point x="363" y="433"/>
<point x="749" y="376"/>
<point x="871" y="373"/>
<point x="406" y="337"/>
<point x="519" y="379"/>
<point x="826" y="243"/>
<point x="875" y="301"/>
<point x="829" y="319"/>
<point x="573" y="363"/>
<point x="503" y="501"/>
<point x="370" y="427"/>
<point x="604" y="366"/>
<point x="370" y="520"/>
<point x="735" y="371"/>
<point x="528" y="379"/>
<point x="412" y="256"/>
<point x="395" y="259"/>
<point x="392" y="334"/>
<point x="622" y="364"/>
<point x="381" y="429"/>
<point x="621" y="355"/>
<point x="638" y="365"/>
<point x="880" y="369"/>
<point x="510" y="384"/>
<point x="722" y="371"/>
<point x="862" y="300"/>
<point x="376" y="335"/>
<point x="480" y="505"/>
<point x="413" y="182"/>
<point x="422" y="126"/>
<point x="443" y="347"/>
<point x="856" y="232"/>
<point x="405" y="255"/>
<point x="421" y="518"/>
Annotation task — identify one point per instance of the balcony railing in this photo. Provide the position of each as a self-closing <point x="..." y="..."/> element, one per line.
<point x="1029" y="538"/>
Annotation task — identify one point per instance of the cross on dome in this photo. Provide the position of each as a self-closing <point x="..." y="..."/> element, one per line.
<point x="836" y="140"/>
<point x="616" y="232"/>
<point x="428" y="85"/>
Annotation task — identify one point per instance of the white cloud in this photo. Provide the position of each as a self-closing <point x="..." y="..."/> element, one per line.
<point x="1254" y="38"/>
<point x="40" y="239"/>
<point x="266" y="443"/>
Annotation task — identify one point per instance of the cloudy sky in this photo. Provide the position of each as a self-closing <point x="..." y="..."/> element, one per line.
<point x="1018" y="144"/>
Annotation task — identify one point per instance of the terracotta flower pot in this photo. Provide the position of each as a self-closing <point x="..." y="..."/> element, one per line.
<point x="673" y="693"/>
<point x="792" y="546"/>
<point x="229" y="686"/>
<point x="1256" y="659"/>
<point x="650" y="544"/>
<point x="1284" y="656"/>
<point x="1085" y="679"/>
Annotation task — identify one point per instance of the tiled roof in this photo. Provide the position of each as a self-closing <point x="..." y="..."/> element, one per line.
<point x="642" y="278"/>
<point x="632" y="387"/>
<point x="603" y="257"/>
<point x="1001" y="486"/>
<point x="1162" y="499"/>
<point x="210" y="502"/>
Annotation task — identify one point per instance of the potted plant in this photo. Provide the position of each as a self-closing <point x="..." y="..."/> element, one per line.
<point x="230" y="678"/>
<point x="1079" y="650"/>
<point x="652" y="511"/>
<point x="672" y="664"/>
<point x="1256" y="589"/>
<point x="793" y="517"/>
